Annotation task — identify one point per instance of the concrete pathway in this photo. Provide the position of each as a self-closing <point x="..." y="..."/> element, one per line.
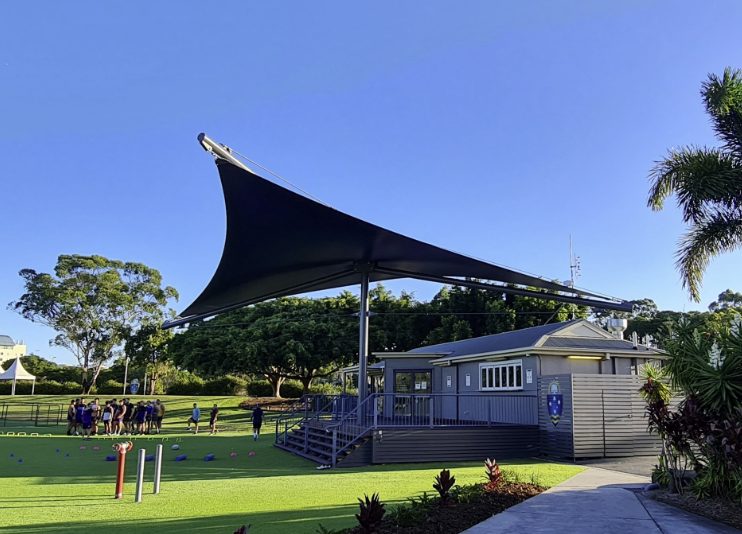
<point x="597" y="501"/>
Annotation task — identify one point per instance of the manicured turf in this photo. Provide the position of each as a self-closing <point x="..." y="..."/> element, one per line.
<point x="71" y="490"/>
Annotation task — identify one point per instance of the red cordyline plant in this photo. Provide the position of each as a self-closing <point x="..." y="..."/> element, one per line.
<point x="443" y="484"/>
<point x="494" y="476"/>
<point x="371" y="513"/>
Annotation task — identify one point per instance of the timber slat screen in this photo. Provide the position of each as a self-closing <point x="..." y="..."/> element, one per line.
<point x="609" y="417"/>
<point x="602" y="417"/>
<point x="31" y="414"/>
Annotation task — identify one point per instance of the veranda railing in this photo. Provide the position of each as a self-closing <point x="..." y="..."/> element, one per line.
<point x="436" y="410"/>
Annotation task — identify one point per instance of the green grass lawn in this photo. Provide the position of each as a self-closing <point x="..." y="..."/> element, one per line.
<point x="276" y="492"/>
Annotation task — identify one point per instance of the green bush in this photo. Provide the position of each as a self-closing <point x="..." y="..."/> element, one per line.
<point x="326" y="389"/>
<point x="292" y="389"/>
<point x="50" y="387"/>
<point x="110" y="387"/>
<point x="72" y="388"/>
<point x="187" y="384"/>
<point x="225" y="385"/>
<point x="259" y="388"/>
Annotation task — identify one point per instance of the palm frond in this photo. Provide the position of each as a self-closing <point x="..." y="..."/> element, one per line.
<point x="723" y="99"/>
<point x="718" y="233"/>
<point x="701" y="178"/>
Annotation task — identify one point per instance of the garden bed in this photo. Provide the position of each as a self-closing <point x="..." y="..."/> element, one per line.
<point x="468" y="506"/>
<point x="721" y="510"/>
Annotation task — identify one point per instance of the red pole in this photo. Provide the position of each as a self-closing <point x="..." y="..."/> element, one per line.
<point x="122" y="449"/>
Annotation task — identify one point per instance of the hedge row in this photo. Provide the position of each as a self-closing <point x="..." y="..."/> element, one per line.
<point x="189" y="385"/>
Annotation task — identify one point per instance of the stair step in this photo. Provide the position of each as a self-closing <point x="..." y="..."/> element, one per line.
<point x="320" y="459"/>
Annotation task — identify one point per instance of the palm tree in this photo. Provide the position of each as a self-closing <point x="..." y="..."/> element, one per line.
<point x="707" y="183"/>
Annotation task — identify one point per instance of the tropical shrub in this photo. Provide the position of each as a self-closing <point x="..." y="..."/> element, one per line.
<point x="705" y="432"/>
<point x="443" y="484"/>
<point x="493" y="474"/>
<point x="371" y="513"/>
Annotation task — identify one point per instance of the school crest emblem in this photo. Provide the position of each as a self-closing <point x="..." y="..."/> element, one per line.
<point x="555" y="402"/>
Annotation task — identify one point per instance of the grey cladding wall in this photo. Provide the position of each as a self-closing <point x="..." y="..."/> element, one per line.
<point x="453" y="444"/>
<point x="609" y="419"/>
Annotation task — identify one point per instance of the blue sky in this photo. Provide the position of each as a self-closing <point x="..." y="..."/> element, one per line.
<point x="495" y="129"/>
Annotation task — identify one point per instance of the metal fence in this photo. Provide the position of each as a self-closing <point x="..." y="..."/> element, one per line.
<point x="31" y="414"/>
<point x="444" y="410"/>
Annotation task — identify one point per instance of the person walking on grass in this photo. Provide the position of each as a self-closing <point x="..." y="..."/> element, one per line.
<point x="212" y="419"/>
<point x="257" y="422"/>
<point x="195" y="417"/>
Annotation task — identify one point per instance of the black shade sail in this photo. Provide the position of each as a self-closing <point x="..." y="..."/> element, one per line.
<point x="280" y="243"/>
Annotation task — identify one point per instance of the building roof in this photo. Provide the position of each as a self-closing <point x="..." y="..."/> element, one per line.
<point x="6" y="341"/>
<point x="579" y="335"/>
<point x="526" y="337"/>
<point x="587" y="343"/>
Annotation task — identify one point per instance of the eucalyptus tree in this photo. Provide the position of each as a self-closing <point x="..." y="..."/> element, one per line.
<point x="94" y="304"/>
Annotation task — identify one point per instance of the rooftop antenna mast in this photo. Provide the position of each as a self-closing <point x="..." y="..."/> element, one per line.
<point x="575" y="265"/>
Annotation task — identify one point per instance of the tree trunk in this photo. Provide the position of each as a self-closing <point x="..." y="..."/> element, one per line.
<point x="276" y="381"/>
<point x="306" y="382"/>
<point x="95" y="377"/>
<point x="85" y="382"/>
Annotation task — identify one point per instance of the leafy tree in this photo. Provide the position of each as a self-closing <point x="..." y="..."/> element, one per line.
<point x="707" y="183"/>
<point x="94" y="304"/>
<point x="451" y="329"/>
<point x="148" y="346"/>
<point x="285" y="338"/>
<point x="726" y="299"/>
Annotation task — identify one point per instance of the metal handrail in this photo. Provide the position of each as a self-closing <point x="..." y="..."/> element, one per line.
<point x="430" y="411"/>
<point x="345" y="420"/>
<point x="305" y="415"/>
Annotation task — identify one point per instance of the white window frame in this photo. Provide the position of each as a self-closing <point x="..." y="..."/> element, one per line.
<point x="501" y="368"/>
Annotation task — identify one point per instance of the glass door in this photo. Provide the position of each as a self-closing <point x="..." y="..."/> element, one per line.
<point x="412" y="393"/>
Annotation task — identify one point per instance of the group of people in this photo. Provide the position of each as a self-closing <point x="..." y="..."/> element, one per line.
<point x="126" y="418"/>
<point x="119" y="417"/>
<point x="195" y="418"/>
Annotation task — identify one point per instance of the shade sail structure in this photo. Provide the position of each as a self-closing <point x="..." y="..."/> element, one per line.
<point x="281" y="243"/>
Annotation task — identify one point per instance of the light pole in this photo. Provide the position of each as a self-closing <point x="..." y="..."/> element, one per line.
<point x="126" y="373"/>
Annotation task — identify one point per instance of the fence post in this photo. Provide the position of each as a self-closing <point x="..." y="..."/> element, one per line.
<point x="36" y="422"/>
<point x="306" y="436"/>
<point x="285" y="432"/>
<point x="334" y="446"/>
<point x="376" y="413"/>
<point x="430" y="410"/>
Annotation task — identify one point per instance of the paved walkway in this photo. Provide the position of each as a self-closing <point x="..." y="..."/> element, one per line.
<point x="597" y="501"/>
